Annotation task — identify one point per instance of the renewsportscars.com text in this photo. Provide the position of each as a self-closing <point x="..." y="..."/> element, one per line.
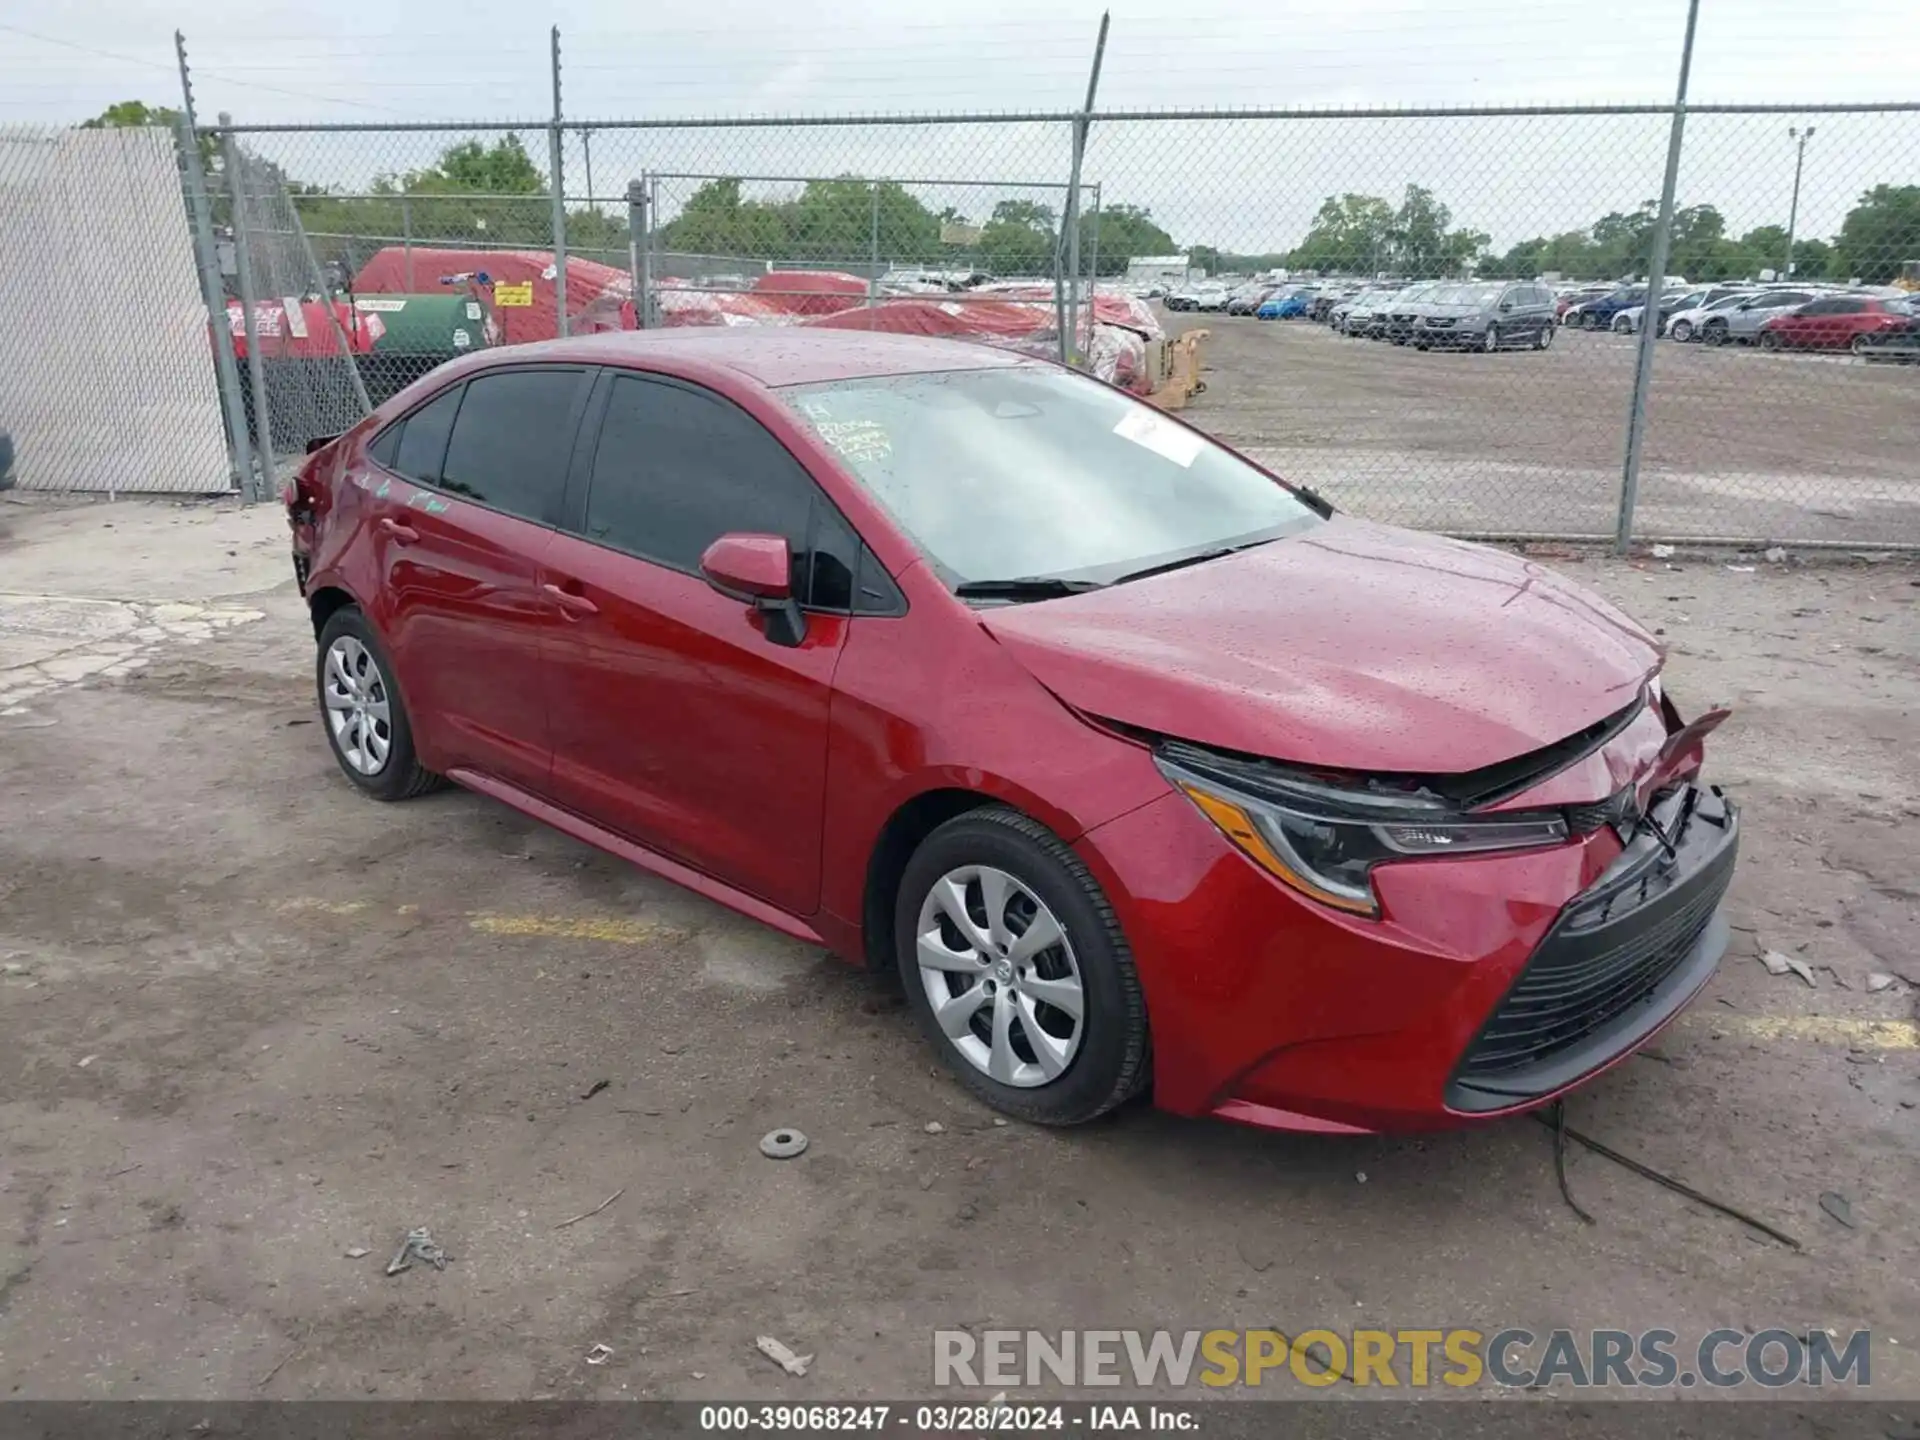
<point x="1411" y="1358"/>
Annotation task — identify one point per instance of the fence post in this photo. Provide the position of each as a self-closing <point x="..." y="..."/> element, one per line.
<point x="636" y="254"/>
<point x="406" y="236"/>
<point x="1069" y="332"/>
<point x="1650" y="314"/>
<point x="554" y="138"/>
<point x="261" y="487"/>
<point x="873" y="243"/>
<point x="220" y="325"/>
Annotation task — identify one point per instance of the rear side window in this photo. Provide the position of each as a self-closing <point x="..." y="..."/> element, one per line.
<point x="510" y="442"/>
<point x="423" y="438"/>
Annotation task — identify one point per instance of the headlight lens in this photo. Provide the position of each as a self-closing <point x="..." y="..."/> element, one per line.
<point x="1324" y="840"/>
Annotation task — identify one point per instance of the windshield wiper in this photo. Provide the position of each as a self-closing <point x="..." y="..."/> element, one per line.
<point x="1186" y="560"/>
<point x="1023" y="587"/>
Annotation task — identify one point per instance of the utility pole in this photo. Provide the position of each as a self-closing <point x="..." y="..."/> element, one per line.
<point x="1799" y="163"/>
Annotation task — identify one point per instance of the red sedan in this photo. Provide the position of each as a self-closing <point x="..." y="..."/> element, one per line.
<point x="1839" y="322"/>
<point x="1142" y="768"/>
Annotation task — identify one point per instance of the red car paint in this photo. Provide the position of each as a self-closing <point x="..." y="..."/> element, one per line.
<point x="1832" y="323"/>
<point x="765" y="776"/>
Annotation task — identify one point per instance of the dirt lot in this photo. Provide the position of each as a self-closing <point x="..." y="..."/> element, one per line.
<point x="254" y="1023"/>
<point x="1739" y="443"/>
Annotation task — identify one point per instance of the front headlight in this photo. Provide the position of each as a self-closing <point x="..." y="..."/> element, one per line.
<point x="1323" y="839"/>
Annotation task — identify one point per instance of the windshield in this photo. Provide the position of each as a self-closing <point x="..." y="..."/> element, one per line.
<point x="1466" y="294"/>
<point x="1021" y="473"/>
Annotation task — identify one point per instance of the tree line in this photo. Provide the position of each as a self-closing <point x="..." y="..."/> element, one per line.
<point x="495" y="194"/>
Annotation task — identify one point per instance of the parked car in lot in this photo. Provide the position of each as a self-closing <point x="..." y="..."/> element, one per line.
<point x="1210" y="297"/>
<point x="6" y="460"/>
<point x="1598" y="313"/>
<point x="1286" y="304"/>
<point x="1685" y="324"/>
<point x="1126" y="806"/>
<point x="1366" y="313"/>
<point x="1485" y="315"/>
<point x="1901" y="342"/>
<point x="1627" y="321"/>
<point x="1741" y="323"/>
<point x="1567" y="299"/>
<point x="1834" y="322"/>
<point x="1247" y="299"/>
<point x="1403" y="311"/>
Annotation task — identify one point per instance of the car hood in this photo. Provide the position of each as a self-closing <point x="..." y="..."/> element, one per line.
<point x="1352" y="645"/>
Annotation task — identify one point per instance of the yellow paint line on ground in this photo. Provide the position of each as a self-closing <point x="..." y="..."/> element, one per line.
<point x="1831" y="1030"/>
<point x="610" y="929"/>
<point x="1817" y="1030"/>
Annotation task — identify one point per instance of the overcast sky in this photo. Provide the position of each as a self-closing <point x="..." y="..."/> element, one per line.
<point x="1246" y="184"/>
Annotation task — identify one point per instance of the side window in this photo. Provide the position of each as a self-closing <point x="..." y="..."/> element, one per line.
<point x="676" y="469"/>
<point x="381" y="451"/>
<point x="509" y="445"/>
<point x="1847" y="307"/>
<point x="423" y="438"/>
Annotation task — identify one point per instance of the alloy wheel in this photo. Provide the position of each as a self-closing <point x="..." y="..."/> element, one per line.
<point x="1682" y="330"/>
<point x="1000" y="975"/>
<point x="1491" y="340"/>
<point x="358" y="709"/>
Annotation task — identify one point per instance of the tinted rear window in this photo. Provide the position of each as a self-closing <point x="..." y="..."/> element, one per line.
<point x="510" y="443"/>
<point x="423" y="438"/>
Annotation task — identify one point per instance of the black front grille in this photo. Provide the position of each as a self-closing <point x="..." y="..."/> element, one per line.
<point x="1617" y="962"/>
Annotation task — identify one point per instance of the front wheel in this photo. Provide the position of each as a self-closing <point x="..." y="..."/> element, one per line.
<point x="1714" y="335"/>
<point x="1016" y="966"/>
<point x="1589" y="322"/>
<point x="366" y="720"/>
<point x="1544" y="338"/>
<point x="1490" y="341"/>
<point x="1682" y="331"/>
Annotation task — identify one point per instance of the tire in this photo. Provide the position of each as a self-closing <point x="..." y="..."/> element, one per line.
<point x="1714" y="334"/>
<point x="1589" y="322"/>
<point x="1621" y="325"/>
<point x="363" y="671"/>
<point x="1682" y="331"/>
<point x="1107" y="1061"/>
<point x="1544" y="338"/>
<point x="1861" y="345"/>
<point x="1490" y="340"/>
<point x="1769" y="340"/>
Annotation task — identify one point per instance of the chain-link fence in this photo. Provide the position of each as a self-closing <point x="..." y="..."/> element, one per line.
<point x="1781" y="400"/>
<point x="105" y="379"/>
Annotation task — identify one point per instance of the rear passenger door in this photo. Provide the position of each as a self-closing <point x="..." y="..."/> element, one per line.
<point x="475" y="482"/>
<point x="677" y="722"/>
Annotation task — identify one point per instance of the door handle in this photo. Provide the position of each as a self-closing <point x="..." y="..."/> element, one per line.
<point x="569" y="602"/>
<point x="405" y="534"/>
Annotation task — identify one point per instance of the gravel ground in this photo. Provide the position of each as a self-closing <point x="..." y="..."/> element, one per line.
<point x="256" y="1024"/>
<point x="1739" y="443"/>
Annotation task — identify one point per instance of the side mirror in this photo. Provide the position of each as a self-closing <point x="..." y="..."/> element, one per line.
<point x="758" y="569"/>
<point x="1506" y="305"/>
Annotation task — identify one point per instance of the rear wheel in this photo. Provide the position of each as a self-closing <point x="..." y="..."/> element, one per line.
<point x="1769" y="340"/>
<point x="1018" y="971"/>
<point x="1589" y="321"/>
<point x="1545" y="337"/>
<point x="1861" y="344"/>
<point x="1715" y="332"/>
<point x="366" y="720"/>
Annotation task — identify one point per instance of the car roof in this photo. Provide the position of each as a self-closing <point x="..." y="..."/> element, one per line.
<point x="771" y="357"/>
